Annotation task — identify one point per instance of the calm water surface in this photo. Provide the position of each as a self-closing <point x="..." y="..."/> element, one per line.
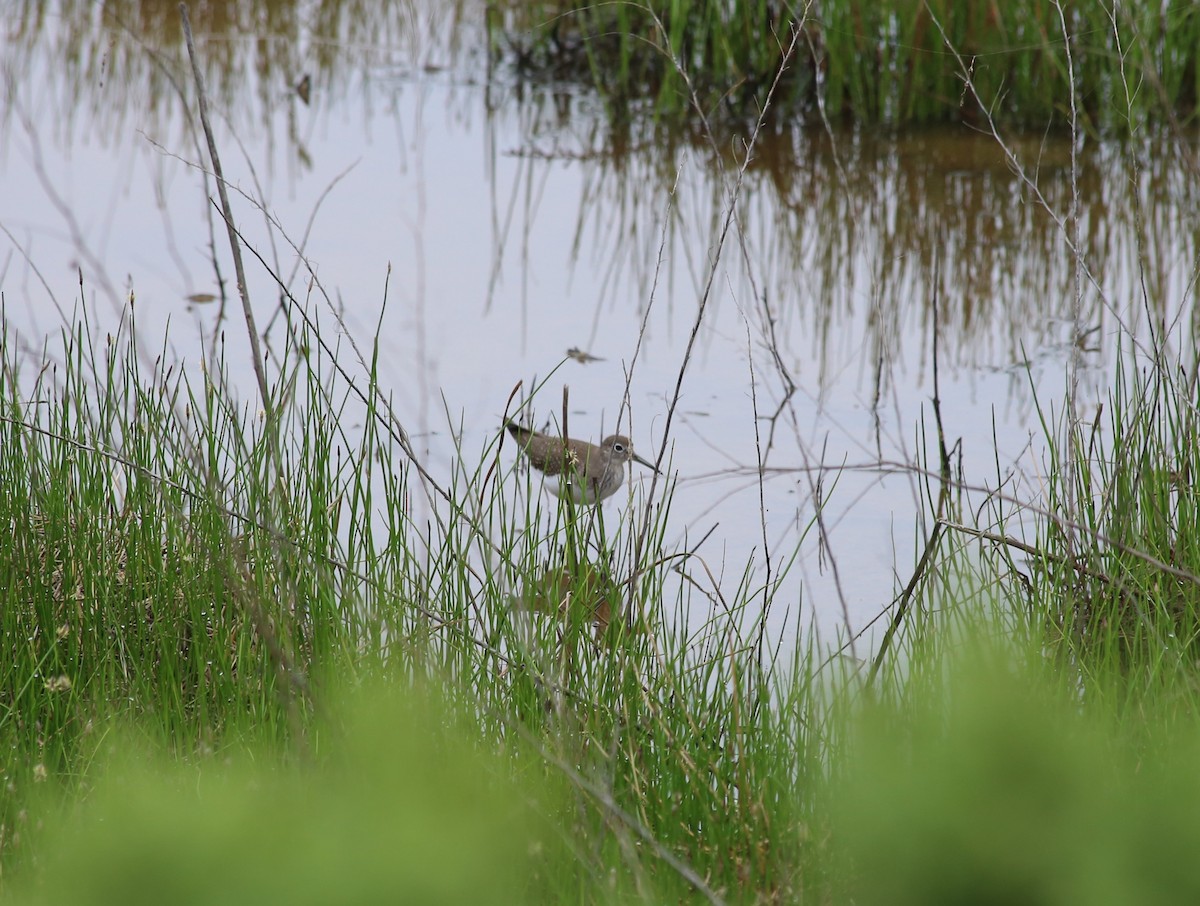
<point x="487" y="228"/>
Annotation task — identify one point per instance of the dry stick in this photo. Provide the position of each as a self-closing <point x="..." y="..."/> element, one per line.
<point x="943" y="496"/>
<point x="1082" y="568"/>
<point x="731" y="214"/>
<point x="1070" y="230"/>
<point x="1138" y="213"/>
<point x="730" y="219"/>
<point x="815" y="490"/>
<point x="886" y="466"/>
<point x="1149" y="75"/>
<point x="1159" y="338"/>
<point x="240" y="272"/>
<point x="844" y="179"/>
<point x="662" y="243"/>
<point x="762" y="505"/>
<point x="1069" y="227"/>
<point x="1061" y="521"/>
<point x="771" y="337"/>
<point x="1025" y="548"/>
<point x="904" y="601"/>
<point x="821" y="110"/>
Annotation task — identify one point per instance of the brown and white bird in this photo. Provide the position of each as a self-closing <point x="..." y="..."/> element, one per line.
<point x="585" y="472"/>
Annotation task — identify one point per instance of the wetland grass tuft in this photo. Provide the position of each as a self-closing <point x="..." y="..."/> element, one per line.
<point x="899" y="62"/>
<point x="1118" y="583"/>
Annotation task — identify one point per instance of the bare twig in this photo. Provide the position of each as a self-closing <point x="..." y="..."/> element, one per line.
<point x="902" y="603"/>
<point x="227" y="212"/>
<point x="905" y="598"/>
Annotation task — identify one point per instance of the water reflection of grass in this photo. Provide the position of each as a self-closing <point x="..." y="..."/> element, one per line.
<point x="870" y="222"/>
<point x="837" y="225"/>
<point x="862" y="217"/>
<point x="122" y="62"/>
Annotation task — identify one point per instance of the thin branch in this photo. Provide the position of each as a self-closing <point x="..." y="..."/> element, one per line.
<point x="227" y="212"/>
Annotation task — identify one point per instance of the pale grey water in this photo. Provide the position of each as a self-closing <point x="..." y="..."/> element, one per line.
<point x="513" y="232"/>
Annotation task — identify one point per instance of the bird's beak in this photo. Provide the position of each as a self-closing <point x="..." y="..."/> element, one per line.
<point x="648" y="465"/>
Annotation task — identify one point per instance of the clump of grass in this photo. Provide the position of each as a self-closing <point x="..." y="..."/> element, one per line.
<point x="899" y="62"/>
<point x="1119" y="578"/>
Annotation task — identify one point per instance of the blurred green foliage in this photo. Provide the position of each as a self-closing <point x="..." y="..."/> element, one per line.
<point x="395" y="804"/>
<point x="997" y="790"/>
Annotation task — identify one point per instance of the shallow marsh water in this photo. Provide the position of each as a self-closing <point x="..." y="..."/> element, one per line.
<point x="488" y="227"/>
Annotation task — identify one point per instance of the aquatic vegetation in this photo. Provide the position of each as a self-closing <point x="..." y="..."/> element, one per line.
<point x="899" y="62"/>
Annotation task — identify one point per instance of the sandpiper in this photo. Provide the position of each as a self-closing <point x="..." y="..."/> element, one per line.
<point x="585" y="472"/>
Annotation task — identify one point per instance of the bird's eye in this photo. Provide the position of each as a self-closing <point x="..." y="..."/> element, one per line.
<point x="618" y="448"/>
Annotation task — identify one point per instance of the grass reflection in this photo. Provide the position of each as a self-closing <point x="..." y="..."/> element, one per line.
<point x="836" y="224"/>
